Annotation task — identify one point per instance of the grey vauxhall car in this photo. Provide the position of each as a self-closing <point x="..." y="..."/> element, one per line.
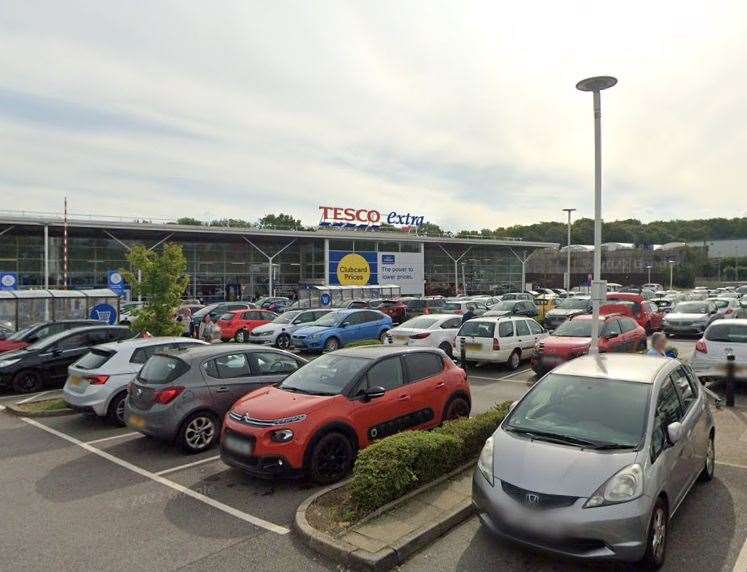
<point x="184" y="396"/>
<point x="597" y="457"/>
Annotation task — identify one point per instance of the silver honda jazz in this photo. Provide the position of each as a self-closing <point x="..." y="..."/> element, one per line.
<point x="597" y="457"/>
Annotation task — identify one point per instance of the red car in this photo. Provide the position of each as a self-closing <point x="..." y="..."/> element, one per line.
<point x="238" y="324"/>
<point x="316" y="420"/>
<point x="644" y="312"/>
<point x="395" y="309"/>
<point x="572" y="338"/>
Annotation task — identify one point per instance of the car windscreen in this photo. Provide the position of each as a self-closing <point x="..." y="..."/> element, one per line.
<point x="567" y="407"/>
<point x="477" y="329"/>
<point x="691" y="308"/>
<point x="227" y="317"/>
<point x="732" y="333"/>
<point x="286" y="318"/>
<point x="720" y="303"/>
<point x="504" y="306"/>
<point x="329" y="320"/>
<point x="326" y="375"/>
<point x="95" y="358"/>
<point x="574" y="329"/>
<point x="206" y="310"/>
<point x="573" y="304"/>
<point x="423" y="323"/>
<point x="160" y="370"/>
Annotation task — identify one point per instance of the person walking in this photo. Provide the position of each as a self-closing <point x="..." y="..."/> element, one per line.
<point x="209" y="331"/>
<point x="468" y="315"/>
<point x="658" y="345"/>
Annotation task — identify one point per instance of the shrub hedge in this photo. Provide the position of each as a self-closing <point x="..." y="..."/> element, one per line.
<point x="398" y="464"/>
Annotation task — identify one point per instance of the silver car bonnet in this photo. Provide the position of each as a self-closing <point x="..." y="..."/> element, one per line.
<point x="549" y="468"/>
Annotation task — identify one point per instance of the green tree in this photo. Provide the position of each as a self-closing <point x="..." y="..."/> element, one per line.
<point x="281" y="221"/>
<point x="189" y="221"/>
<point x="163" y="280"/>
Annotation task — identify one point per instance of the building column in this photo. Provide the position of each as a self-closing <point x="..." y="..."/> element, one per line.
<point x="46" y="257"/>
<point x="326" y="262"/>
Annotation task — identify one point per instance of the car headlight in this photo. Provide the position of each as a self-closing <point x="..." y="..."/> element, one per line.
<point x="624" y="486"/>
<point x="8" y="362"/>
<point x="485" y="462"/>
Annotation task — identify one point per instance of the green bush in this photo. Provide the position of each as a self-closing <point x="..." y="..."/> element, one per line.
<point x="398" y="464"/>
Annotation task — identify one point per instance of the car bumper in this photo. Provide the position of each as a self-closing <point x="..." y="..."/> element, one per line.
<point x="159" y="424"/>
<point x="689" y="329"/>
<point x="704" y="367"/>
<point x="305" y="344"/>
<point x="616" y="532"/>
<point x="266" y="458"/>
<point x="544" y="363"/>
<point x="262" y="341"/>
<point x="93" y="400"/>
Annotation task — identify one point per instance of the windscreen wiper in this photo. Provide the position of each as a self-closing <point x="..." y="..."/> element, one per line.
<point x="555" y="438"/>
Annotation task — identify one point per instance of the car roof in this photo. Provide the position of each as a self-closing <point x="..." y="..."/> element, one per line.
<point x="377" y="351"/>
<point x="146" y="342"/>
<point x="622" y="367"/>
<point x="210" y="350"/>
<point x="734" y="321"/>
<point x="601" y="316"/>
<point x="497" y="318"/>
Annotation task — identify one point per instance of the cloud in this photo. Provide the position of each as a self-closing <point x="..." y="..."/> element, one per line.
<point x="463" y="112"/>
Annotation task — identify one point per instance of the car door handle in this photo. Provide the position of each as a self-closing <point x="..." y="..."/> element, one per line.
<point x="404" y="397"/>
<point x="222" y="389"/>
<point x="440" y="385"/>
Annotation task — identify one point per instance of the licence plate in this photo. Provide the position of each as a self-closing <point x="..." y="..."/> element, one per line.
<point x="237" y="445"/>
<point x="136" y="422"/>
<point x="75" y="381"/>
<point x="473" y="347"/>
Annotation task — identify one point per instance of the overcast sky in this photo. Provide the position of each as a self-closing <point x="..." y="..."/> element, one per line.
<point x="465" y="112"/>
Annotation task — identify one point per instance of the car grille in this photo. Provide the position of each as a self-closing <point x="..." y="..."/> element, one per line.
<point x="534" y="499"/>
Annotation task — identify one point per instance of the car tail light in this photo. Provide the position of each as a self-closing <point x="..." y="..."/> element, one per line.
<point x="496" y="345"/>
<point x="97" y="379"/>
<point x="701" y="346"/>
<point x="165" y="396"/>
<point x="427" y="310"/>
<point x="729" y="312"/>
<point x="420" y="336"/>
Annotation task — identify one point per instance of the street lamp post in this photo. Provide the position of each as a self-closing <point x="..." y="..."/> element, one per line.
<point x="567" y="281"/>
<point x="596" y="85"/>
<point x="649" y="273"/>
<point x="671" y="272"/>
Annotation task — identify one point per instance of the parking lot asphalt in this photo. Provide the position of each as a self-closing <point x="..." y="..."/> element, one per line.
<point x="79" y="494"/>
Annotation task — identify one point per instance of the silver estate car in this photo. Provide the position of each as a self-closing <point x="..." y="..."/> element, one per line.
<point x="184" y="396"/>
<point x="596" y="458"/>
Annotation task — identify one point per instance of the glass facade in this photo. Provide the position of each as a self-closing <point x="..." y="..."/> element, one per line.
<point x="224" y="266"/>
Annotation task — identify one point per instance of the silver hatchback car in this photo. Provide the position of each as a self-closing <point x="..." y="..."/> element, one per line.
<point x="597" y="457"/>
<point x="184" y="396"/>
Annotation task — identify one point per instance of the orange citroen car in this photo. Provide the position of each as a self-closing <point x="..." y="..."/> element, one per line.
<point x="320" y="416"/>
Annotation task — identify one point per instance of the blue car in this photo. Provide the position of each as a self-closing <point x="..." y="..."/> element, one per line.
<point x="341" y="327"/>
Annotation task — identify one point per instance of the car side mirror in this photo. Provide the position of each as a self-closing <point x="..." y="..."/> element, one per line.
<point x="674" y="432"/>
<point x="344" y="325"/>
<point x="373" y="393"/>
<point x="56" y="352"/>
<point x="32" y="339"/>
<point x="611" y="335"/>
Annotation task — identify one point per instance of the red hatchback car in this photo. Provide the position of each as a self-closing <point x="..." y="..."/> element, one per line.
<point x="395" y="309"/>
<point x="316" y="420"/>
<point x="238" y="324"/>
<point x="572" y="338"/>
<point x="644" y="312"/>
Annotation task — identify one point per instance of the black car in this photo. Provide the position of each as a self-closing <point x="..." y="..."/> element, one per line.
<point x="35" y="332"/>
<point x="45" y="362"/>
<point x="513" y="308"/>
<point x="566" y="309"/>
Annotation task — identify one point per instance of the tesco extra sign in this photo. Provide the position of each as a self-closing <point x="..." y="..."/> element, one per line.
<point x="367" y="219"/>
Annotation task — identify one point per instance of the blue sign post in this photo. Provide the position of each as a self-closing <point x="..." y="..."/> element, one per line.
<point x="116" y="282"/>
<point x="8" y="281"/>
<point x="105" y="313"/>
<point x="325" y="299"/>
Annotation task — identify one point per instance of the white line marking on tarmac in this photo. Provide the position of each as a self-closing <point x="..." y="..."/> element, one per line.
<point x="256" y="521"/>
<point x="103" y="439"/>
<point x="32" y="397"/>
<point x="506" y="378"/>
<point x="741" y="563"/>
<point x="733" y="466"/>
<point x="187" y="466"/>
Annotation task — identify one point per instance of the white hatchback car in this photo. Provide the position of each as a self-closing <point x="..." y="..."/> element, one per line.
<point x="433" y="330"/>
<point x="499" y="340"/>
<point x="721" y="339"/>
<point x="278" y="332"/>
<point x="97" y="382"/>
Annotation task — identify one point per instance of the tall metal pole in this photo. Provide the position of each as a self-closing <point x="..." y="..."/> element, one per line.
<point x="46" y="257"/>
<point x="456" y="277"/>
<point x="567" y="281"/>
<point x="649" y="273"/>
<point x="596" y="85"/>
<point x="671" y="273"/>
<point x="464" y="282"/>
<point x="64" y="249"/>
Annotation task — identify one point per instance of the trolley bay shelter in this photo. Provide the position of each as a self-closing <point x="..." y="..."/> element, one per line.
<point x="244" y="263"/>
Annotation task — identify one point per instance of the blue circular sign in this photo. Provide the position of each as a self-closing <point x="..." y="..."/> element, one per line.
<point x="105" y="313"/>
<point x="325" y="299"/>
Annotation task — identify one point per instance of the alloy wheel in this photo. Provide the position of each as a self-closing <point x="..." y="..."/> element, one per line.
<point x="199" y="432"/>
<point x="659" y="537"/>
<point x="283" y="342"/>
<point x="241" y="337"/>
<point x="333" y="459"/>
<point x="457" y="409"/>
<point x="711" y="457"/>
<point x="119" y="411"/>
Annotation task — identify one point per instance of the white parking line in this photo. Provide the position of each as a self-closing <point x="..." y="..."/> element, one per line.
<point x="256" y="521"/>
<point x="34" y="396"/>
<point x="741" y="563"/>
<point x="187" y="466"/>
<point x="503" y="378"/>
<point x="103" y="439"/>
<point x="733" y="466"/>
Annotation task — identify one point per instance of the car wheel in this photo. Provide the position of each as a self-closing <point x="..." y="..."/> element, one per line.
<point x="283" y="342"/>
<point x="382" y="336"/>
<point x="710" y="462"/>
<point x="456" y="408"/>
<point x="115" y="413"/>
<point x="198" y="432"/>
<point x="656" y="543"/>
<point x="240" y="337"/>
<point x="331" y="344"/>
<point x="26" y="381"/>
<point x="331" y="459"/>
<point x="514" y="360"/>
<point x="447" y="349"/>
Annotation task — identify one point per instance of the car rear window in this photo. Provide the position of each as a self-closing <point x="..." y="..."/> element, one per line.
<point x="477" y="329"/>
<point x="160" y="370"/>
<point x="94" y="359"/>
<point x="227" y="317"/>
<point x="732" y="333"/>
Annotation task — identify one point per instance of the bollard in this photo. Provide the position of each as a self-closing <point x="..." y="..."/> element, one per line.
<point x="463" y="354"/>
<point x="730" y="379"/>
